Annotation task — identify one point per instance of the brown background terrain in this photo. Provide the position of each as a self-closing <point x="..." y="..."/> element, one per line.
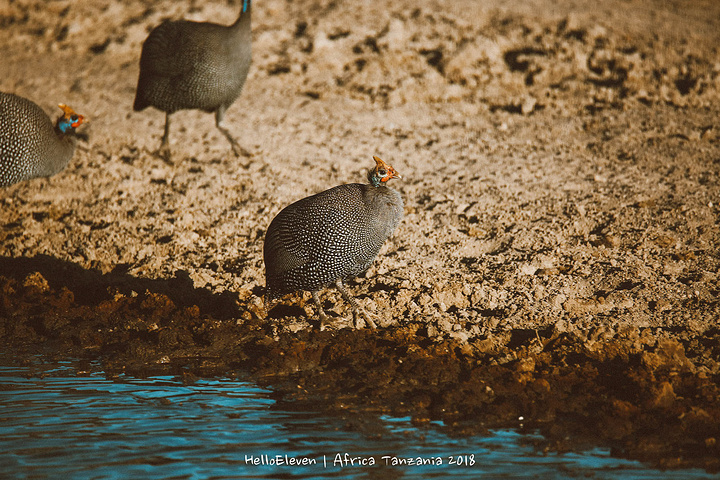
<point x="560" y="164"/>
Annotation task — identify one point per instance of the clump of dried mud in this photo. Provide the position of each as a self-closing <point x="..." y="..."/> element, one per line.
<point x="558" y="259"/>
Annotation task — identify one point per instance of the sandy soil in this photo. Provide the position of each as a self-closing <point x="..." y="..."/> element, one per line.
<point x="560" y="164"/>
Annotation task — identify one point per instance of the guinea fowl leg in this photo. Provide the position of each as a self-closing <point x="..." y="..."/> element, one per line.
<point x="164" y="150"/>
<point x="321" y="312"/>
<point x="356" y="308"/>
<point x="236" y="148"/>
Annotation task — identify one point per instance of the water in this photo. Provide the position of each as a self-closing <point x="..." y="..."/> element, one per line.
<point x="56" y="423"/>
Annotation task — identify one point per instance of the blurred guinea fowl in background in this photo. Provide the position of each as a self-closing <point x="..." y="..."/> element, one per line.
<point x="195" y="65"/>
<point x="30" y="146"/>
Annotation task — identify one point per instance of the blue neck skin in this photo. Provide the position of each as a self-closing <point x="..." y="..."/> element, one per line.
<point x="65" y="125"/>
<point x="373" y="178"/>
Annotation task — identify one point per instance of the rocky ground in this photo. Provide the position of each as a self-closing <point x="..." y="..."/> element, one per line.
<point x="559" y="255"/>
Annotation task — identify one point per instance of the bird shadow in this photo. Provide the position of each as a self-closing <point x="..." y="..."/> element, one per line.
<point x="91" y="286"/>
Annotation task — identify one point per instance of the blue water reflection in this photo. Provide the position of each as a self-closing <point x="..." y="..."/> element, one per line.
<point x="58" y="423"/>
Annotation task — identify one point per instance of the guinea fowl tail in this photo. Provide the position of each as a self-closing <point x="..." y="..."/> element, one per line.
<point x="140" y="102"/>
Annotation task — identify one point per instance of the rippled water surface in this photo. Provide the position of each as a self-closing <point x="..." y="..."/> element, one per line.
<point x="58" y="423"/>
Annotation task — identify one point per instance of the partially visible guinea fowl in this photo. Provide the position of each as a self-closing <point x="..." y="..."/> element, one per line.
<point x="30" y="146"/>
<point x="195" y="65"/>
<point x="330" y="236"/>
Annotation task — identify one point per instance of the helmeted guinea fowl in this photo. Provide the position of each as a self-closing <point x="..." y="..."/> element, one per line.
<point x="30" y="146"/>
<point x="195" y="65"/>
<point x="330" y="236"/>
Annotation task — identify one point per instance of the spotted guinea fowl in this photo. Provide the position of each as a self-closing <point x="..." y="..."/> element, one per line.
<point x="195" y="65"/>
<point x="330" y="236"/>
<point x="30" y="146"/>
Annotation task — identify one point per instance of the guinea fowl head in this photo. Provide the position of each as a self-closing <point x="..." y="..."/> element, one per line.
<point x="381" y="173"/>
<point x="70" y="120"/>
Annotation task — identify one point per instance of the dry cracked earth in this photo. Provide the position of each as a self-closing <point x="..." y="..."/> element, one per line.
<point x="558" y="258"/>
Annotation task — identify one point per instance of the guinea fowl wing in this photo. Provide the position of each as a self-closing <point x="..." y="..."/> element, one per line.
<point x="282" y="250"/>
<point x="170" y="50"/>
<point x="310" y="242"/>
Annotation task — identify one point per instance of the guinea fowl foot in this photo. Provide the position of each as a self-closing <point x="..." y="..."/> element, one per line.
<point x="236" y="148"/>
<point x="163" y="153"/>
<point x="358" y="311"/>
<point x="321" y="312"/>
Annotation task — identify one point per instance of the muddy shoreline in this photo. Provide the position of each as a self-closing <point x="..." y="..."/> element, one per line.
<point x="649" y="394"/>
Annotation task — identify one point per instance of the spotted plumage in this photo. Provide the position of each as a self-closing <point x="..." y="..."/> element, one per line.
<point x="195" y="65"/>
<point x="30" y="146"/>
<point x="331" y="236"/>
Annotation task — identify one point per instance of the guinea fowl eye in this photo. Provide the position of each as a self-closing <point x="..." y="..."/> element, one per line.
<point x="382" y="172"/>
<point x="74" y="118"/>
